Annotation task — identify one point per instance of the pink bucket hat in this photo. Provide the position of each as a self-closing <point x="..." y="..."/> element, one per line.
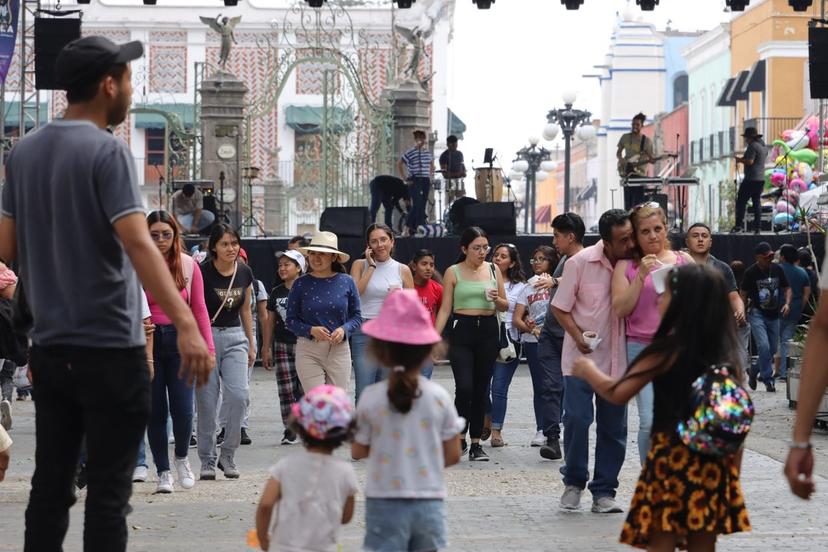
<point x="323" y="410"/>
<point x="403" y="319"/>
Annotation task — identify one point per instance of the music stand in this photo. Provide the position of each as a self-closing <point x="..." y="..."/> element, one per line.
<point x="488" y="156"/>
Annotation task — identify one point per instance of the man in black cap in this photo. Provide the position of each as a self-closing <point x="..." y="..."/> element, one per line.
<point x="762" y="287"/>
<point x="87" y="360"/>
<point x="753" y="182"/>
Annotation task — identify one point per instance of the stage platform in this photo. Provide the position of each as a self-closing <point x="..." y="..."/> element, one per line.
<point x="727" y="247"/>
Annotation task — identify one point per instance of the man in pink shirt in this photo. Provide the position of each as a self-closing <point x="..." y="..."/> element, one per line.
<point x="582" y="304"/>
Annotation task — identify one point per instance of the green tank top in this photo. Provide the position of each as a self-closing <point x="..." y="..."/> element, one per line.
<point x="471" y="294"/>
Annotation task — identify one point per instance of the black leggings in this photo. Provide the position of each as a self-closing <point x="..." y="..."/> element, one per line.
<point x="749" y="190"/>
<point x="472" y="353"/>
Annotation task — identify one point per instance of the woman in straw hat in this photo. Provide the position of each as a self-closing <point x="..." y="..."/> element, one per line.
<point x="323" y="312"/>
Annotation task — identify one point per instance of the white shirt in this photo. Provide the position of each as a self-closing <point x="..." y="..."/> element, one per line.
<point x="386" y="274"/>
<point x="314" y="488"/>
<point x="513" y="292"/>
<point x="406" y="459"/>
<point x="145" y="310"/>
<point x="536" y="303"/>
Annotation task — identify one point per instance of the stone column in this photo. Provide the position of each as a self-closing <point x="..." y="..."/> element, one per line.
<point x="410" y="104"/>
<point x="222" y="128"/>
<point x="276" y="207"/>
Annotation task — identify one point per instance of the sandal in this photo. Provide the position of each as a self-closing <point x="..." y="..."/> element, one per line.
<point x="498" y="442"/>
<point x="486" y="433"/>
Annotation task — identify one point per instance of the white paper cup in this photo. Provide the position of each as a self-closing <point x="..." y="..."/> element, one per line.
<point x="591" y="339"/>
<point x="660" y="278"/>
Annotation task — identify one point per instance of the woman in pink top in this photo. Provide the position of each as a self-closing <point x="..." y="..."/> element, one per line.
<point x="635" y="299"/>
<point x="167" y="383"/>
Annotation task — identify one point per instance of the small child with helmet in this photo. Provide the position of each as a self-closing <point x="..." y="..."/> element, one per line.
<point x="314" y="490"/>
<point x="408" y="428"/>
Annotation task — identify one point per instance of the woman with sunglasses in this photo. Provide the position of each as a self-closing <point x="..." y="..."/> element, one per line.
<point x="472" y="291"/>
<point x="635" y="299"/>
<point x="507" y="259"/>
<point x="171" y="396"/>
<point x="529" y="318"/>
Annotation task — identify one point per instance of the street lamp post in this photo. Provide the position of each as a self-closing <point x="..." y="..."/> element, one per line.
<point x="533" y="162"/>
<point x="569" y="121"/>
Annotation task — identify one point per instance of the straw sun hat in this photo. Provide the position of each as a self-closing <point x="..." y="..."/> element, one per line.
<point x="326" y="242"/>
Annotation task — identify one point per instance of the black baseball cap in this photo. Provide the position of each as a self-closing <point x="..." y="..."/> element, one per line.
<point x="87" y="59"/>
<point x="762" y="248"/>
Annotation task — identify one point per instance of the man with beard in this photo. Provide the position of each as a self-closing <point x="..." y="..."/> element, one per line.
<point x="88" y="361"/>
<point x="581" y="306"/>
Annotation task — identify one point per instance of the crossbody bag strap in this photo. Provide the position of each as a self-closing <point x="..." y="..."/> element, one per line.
<point x="230" y="287"/>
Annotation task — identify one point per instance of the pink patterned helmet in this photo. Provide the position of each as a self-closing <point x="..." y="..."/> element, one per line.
<point x="324" y="412"/>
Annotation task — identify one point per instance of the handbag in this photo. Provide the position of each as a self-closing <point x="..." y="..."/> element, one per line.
<point x="721" y="413"/>
<point x="505" y="347"/>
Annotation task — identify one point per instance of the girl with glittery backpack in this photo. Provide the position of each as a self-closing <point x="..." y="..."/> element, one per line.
<point x="408" y="428"/>
<point x="688" y="492"/>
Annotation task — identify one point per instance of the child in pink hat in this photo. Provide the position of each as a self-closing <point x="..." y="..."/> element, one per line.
<point x="315" y="490"/>
<point x="401" y="423"/>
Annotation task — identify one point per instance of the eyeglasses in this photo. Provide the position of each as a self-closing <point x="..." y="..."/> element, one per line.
<point x="480" y="248"/>
<point x="538" y="260"/>
<point x="158" y="236"/>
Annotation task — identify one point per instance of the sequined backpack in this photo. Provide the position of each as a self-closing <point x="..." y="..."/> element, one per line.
<point x="721" y="413"/>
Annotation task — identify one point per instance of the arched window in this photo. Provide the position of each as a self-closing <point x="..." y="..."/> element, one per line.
<point x="680" y="86"/>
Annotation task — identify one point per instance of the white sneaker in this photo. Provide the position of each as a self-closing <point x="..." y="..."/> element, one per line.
<point x="140" y="474"/>
<point x="5" y="414"/>
<point x="170" y="439"/>
<point x="539" y="440"/>
<point x="571" y="499"/>
<point x="185" y="475"/>
<point x="606" y="505"/>
<point x="165" y="483"/>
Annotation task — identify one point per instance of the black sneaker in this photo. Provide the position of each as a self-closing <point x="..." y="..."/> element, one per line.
<point x="736" y="230"/>
<point x="477" y="454"/>
<point x="770" y="387"/>
<point x="289" y="438"/>
<point x="752" y="380"/>
<point x="551" y="450"/>
<point x="245" y="438"/>
<point x="464" y="446"/>
<point x="220" y="437"/>
<point x="193" y="441"/>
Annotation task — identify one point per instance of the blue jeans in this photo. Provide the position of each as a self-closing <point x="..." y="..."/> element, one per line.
<point x="366" y="371"/>
<point x="427" y="370"/>
<point x="501" y="379"/>
<point x="644" y="401"/>
<point x="536" y="371"/>
<point x="142" y="454"/>
<point x="400" y="524"/>
<point x="171" y="397"/>
<point x="787" y="329"/>
<point x="419" y="198"/>
<point x="205" y="220"/>
<point x="610" y="443"/>
<point x="549" y="356"/>
<point x="743" y="334"/>
<point x="766" y="335"/>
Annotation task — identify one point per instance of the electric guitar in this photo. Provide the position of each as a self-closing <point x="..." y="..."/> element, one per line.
<point x="629" y="167"/>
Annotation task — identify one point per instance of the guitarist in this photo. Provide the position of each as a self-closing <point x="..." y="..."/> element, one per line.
<point x="634" y="152"/>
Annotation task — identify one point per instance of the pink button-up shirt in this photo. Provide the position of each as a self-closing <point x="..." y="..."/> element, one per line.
<point x="585" y="292"/>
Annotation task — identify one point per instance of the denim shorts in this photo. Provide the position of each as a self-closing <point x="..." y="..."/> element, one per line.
<point x="399" y="524"/>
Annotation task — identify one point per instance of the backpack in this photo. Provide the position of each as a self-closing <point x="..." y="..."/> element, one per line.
<point x="15" y="324"/>
<point x="721" y="413"/>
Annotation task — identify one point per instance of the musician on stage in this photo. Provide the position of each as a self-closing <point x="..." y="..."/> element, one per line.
<point x="752" y="184"/>
<point x="416" y="166"/>
<point x="453" y="169"/>
<point x="634" y="152"/>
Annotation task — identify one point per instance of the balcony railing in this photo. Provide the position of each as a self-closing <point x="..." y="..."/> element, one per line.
<point x="770" y="127"/>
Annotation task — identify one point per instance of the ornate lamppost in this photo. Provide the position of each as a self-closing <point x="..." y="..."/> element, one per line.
<point x="533" y="164"/>
<point x="569" y="121"/>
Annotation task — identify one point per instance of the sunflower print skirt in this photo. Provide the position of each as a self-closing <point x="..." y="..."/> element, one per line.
<point x="681" y="491"/>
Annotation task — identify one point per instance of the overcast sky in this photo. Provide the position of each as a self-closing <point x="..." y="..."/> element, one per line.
<point x="510" y="64"/>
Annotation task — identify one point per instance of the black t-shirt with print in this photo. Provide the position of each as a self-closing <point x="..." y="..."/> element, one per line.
<point x="765" y="288"/>
<point x="277" y="303"/>
<point x="215" y="290"/>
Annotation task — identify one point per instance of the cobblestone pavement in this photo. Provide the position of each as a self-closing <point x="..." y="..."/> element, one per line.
<point x="509" y="503"/>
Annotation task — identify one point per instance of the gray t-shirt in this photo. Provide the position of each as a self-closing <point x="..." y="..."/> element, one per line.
<point x="758" y="152"/>
<point x="725" y="270"/>
<point x="66" y="185"/>
<point x="550" y="325"/>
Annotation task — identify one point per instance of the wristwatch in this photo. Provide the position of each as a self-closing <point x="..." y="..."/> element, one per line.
<point x="801" y="445"/>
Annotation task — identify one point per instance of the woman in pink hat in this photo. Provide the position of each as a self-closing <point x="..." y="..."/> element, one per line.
<point x="401" y="423"/>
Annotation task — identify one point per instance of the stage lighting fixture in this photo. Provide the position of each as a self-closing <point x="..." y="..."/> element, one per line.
<point x="149" y="2"/>
<point x="315" y="3"/>
<point x="800" y="5"/>
<point x="483" y="4"/>
<point x="737" y="5"/>
<point x="404" y="4"/>
<point x="84" y="1"/>
<point x="647" y="5"/>
<point x="572" y="4"/>
<point x="230" y="3"/>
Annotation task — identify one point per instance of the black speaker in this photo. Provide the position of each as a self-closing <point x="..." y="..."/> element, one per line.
<point x="497" y="219"/>
<point x="51" y="35"/>
<point x="345" y="222"/>
<point x="818" y="61"/>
